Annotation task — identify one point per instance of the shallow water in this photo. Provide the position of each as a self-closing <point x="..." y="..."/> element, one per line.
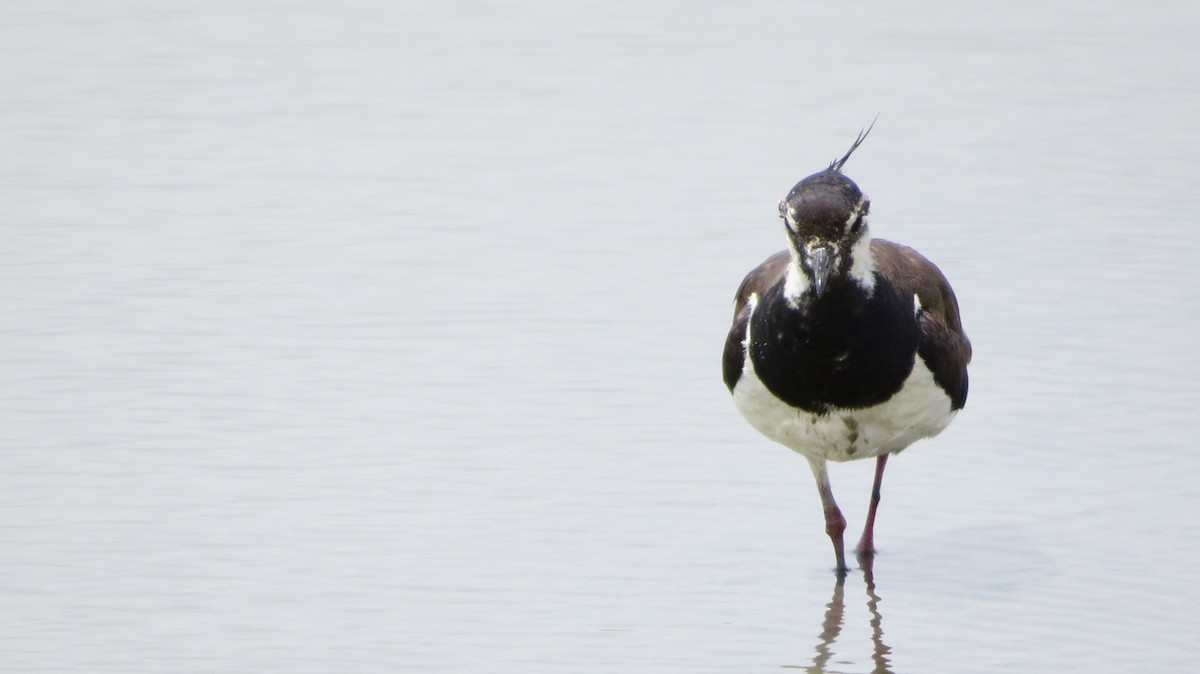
<point x="386" y="337"/>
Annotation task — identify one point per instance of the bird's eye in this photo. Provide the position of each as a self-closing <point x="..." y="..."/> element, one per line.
<point x="787" y="221"/>
<point x="862" y="217"/>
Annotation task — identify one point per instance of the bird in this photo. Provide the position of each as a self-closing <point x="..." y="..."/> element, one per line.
<point x="845" y="347"/>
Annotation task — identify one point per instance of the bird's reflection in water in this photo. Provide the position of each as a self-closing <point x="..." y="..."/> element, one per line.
<point x="831" y="629"/>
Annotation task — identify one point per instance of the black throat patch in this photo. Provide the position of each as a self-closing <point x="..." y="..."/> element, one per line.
<point x="846" y="349"/>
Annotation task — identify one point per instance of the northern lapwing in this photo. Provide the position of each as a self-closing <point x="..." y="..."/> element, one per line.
<point x="845" y="347"/>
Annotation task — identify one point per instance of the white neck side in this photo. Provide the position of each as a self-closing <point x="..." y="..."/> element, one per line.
<point x="863" y="269"/>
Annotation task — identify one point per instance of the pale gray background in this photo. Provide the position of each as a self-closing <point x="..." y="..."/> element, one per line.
<point x="384" y="336"/>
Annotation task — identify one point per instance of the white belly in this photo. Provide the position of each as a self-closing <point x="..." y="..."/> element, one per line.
<point x="920" y="409"/>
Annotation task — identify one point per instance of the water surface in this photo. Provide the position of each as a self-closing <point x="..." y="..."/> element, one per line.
<point x="385" y="337"/>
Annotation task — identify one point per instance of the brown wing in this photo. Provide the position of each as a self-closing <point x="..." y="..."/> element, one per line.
<point x="758" y="281"/>
<point x="944" y="346"/>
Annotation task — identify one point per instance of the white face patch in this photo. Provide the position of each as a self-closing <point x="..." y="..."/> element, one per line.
<point x="854" y="214"/>
<point x="796" y="282"/>
<point x="862" y="270"/>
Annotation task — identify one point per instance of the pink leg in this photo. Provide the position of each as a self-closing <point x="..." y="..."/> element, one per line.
<point x="835" y="524"/>
<point x="866" y="544"/>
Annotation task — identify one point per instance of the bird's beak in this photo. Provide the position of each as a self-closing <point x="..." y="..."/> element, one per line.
<point x="821" y="261"/>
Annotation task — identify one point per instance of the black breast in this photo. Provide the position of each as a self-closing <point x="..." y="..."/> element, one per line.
<point x="846" y="349"/>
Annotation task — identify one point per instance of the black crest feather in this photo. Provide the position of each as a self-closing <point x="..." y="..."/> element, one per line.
<point x="836" y="166"/>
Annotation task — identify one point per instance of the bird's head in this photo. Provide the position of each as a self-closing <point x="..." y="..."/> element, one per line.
<point x="826" y="218"/>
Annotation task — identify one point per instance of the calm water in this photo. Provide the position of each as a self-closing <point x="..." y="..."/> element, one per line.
<point x="384" y="337"/>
